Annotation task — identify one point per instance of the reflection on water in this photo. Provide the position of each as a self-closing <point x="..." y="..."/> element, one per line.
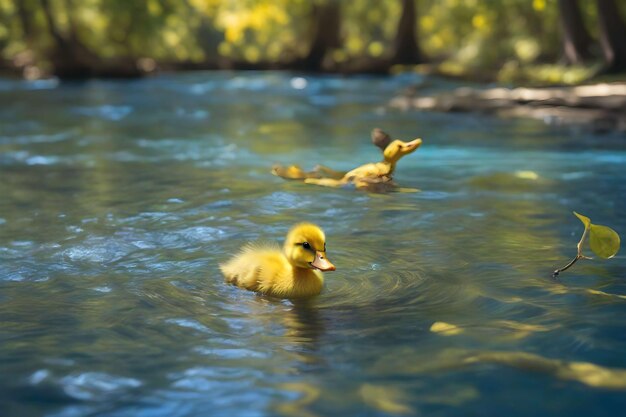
<point x="119" y="199"/>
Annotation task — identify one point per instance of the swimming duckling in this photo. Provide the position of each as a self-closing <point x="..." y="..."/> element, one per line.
<point x="295" y="272"/>
<point x="372" y="176"/>
<point x="293" y="172"/>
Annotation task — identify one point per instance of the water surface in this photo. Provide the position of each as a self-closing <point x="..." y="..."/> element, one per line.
<point x="119" y="200"/>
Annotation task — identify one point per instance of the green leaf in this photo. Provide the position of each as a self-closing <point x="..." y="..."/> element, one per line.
<point x="586" y="220"/>
<point x="603" y="241"/>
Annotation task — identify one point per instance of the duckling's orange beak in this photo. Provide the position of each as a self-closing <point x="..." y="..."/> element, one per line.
<point x="322" y="263"/>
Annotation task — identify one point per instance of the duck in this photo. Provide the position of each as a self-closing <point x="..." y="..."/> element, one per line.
<point x="294" y="172"/>
<point x="376" y="176"/>
<point x="293" y="272"/>
<point x="373" y="174"/>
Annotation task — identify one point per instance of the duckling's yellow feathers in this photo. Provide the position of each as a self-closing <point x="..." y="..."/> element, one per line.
<point x="244" y="269"/>
<point x="262" y="267"/>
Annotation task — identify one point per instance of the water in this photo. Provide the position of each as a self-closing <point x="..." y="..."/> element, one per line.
<point x="119" y="199"/>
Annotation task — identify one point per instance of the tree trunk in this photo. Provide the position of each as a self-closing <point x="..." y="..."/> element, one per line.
<point x="576" y="39"/>
<point x="73" y="59"/>
<point x="612" y="35"/>
<point x="73" y="27"/>
<point x="406" y="49"/>
<point x="325" y="34"/>
<point x="67" y="56"/>
<point x="59" y="40"/>
<point x="25" y="14"/>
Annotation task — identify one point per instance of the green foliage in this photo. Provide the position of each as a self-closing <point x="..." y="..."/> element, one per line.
<point x="603" y="241"/>
<point x="510" y="39"/>
<point x="531" y="74"/>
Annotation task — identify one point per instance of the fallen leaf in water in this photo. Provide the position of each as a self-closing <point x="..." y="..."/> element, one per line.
<point x="385" y="399"/>
<point x="527" y="175"/>
<point x="445" y="329"/>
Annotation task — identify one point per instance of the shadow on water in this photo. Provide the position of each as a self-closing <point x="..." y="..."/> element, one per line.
<point x="120" y="199"/>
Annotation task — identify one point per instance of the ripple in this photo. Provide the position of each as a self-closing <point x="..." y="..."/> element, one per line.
<point x="39" y="138"/>
<point x="99" y="250"/>
<point x="96" y="385"/>
<point x="184" y="150"/>
<point x="26" y="271"/>
<point x="24" y="157"/>
<point x="43" y="84"/>
<point x="201" y="233"/>
<point x="279" y="201"/>
<point x="571" y="176"/>
<point x="192" y="114"/>
<point x="245" y="83"/>
<point x="202" y="88"/>
<point x="233" y="353"/>
<point x="39" y="376"/>
<point x="106" y="112"/>
<point x="190" y="324"/>
<point x="42" y="160"/>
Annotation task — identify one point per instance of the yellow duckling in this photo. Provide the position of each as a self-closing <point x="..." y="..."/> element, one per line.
<point x="295" y="272"/>
<point x="372" y="173"/>
<point x="294" y="172"/>
<point x="373" y="176"/>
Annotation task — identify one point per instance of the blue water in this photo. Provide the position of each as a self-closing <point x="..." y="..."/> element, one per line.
<point x="119" y="199"/>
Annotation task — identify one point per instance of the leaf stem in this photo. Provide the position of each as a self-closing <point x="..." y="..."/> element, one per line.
<point x="579" y="247"/>
<point x="572" y="262"/>
<point x="579" y="255"/>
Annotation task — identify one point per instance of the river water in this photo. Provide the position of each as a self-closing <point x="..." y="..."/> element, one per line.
<point x="118" y="200"/>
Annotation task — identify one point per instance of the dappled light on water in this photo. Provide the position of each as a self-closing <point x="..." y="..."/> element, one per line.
<point x="120" y="199"/>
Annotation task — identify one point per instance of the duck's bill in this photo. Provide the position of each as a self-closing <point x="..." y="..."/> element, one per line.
<point x="321" y="263"/>
<point x="414" y="144"/>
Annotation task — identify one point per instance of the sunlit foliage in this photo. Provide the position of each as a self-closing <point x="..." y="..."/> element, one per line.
<point x="493" y="38"/>
<point x="491" y="35"/>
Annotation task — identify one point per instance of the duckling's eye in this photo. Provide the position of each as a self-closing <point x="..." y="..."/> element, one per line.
<point x="306" y="245"/>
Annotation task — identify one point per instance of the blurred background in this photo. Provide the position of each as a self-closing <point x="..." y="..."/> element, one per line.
<point x="538" y="41"/>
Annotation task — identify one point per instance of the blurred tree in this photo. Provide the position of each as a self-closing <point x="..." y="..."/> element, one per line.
<point x="406" y="48"/>
<point x="576" y="39"/>
<point x="612" y="35"/>
<point x="326" y="28"/>
<point x="68" y="55"/>
<point x="25" y="11"/>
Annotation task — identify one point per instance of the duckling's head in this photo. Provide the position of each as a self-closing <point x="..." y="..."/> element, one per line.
<point x="397" y="149"/>
<point x="305" y="247"/>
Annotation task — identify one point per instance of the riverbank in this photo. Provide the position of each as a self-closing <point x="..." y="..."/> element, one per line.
<point x="598" y="107"/>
